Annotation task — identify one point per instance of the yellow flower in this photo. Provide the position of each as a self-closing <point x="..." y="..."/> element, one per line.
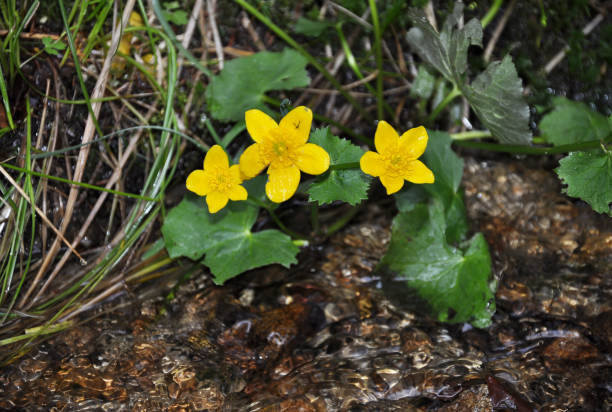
<point x="218" y="181"/>
<point x="397" y="156"/>
<point x="283" y="148"/>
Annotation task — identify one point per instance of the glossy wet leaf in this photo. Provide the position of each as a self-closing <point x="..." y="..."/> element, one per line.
<point x="242" y="83"/>
<point x="496" y="95"/>
<point x="455" y="281"/>
<point x="573" y="122"/>
<point x="588" y="175"/>
<point x="349" y="185"/>
<point x="225" y="239"/>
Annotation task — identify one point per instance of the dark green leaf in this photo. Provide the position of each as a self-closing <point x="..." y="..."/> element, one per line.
<point x="496" y="95"/>
<point x="423" y="84"/>
<point x="573" y="122"/>
<point x="497" y="98"/>
<point x="311" y="28"/>
<point x="454" y="281"/>
<point x="588" y="175"/>
<point x="446" y="51"/>
<point x="350" y="185"/>
<point x="225" y="238"/>
<point x="242" y="83"/>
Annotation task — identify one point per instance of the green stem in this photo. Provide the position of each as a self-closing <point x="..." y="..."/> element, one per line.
<point x="344" y="166"/>
<point x="516" y="149"/>
<point x="274" y="216"/>
<point x="307" y="55"/>
<point x="378" y="51"/>
<point x="314" y="217"/>
<point x="340" y="223"/>
<point x="449" y="98"/>
<point x="473" y="134"/>
<point x="491" y="13"/>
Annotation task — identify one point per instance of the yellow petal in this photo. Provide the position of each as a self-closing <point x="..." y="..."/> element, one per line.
<point x="251" y="163"/>
<point x="312" y="159"/>
<point x="235" y="174"/>
<point x="392" y="184"/>
<point x="372" y="163"/>
<point x="198" y="183"/>
<point x="386" y="138"/>
<point x="135" y="19"/>
<point x="414" y="142"/>
<point x="298" y="122"/>
<point x="259" y="124"/>
<point x="237" y="192"/>
<point x="215" y="158"/>
<point x="216" y="201"/>
<point x="417" y="172"/>
<point x="282" y="183"/>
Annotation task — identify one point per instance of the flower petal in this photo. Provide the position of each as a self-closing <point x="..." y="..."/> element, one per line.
<point x="197" y="182"/>
<point x="312" y="159"/>
<point x="392" y="184"/>
<point x="235" y="175"/>
<point x="237" y="192"/>
<point x="386" y="138"/>
<point x="298" y="122"/>
<point x="251" y="163"/>
<point x="282" y="183"/>
<point x="372" y="163"/>
<point x="414" y="142"/>
<point x="417" y="172"/>
<point x="259" y="124"/>
<point x="216" y="201"/>
<point x="216" y="158"/>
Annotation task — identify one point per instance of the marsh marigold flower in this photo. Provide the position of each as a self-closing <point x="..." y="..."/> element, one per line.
<point x="397" y="156"/>
<point x="218" y="181"/>
<point x="283" y="149"/>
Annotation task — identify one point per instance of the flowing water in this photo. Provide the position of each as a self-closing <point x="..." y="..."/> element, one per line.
<point x="328" y="334"/>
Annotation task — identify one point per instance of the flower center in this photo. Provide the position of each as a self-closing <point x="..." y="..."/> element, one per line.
<point x="220" y="180"/>
<point x="397" y="164"/>
<point x="278" y="149"/>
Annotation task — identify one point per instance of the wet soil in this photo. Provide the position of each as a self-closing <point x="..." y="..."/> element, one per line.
<point x="325" y="334"/>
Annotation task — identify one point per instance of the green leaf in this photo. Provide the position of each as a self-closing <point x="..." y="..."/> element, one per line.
<point x="496" y="95"/>
<point x="446" y="51"/>
<point x="178" y="17"/>
<point x="225" y="238"/>
<point x="455" y="281"/>
<point x="573" y="122"/>
<point x="588" y="175"/>
<point x="350" y="185"/>
<point x="423" y="84"/>
<point x="311" y="28"/>
<point x="53" y="46"/>
<point x="242" y="83"/>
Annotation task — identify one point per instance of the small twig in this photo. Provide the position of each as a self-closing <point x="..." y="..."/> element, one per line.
<point x="431" y="15"/>
<point x="211" y="5"/>
<point x="498" y="31"/>
<point x="246" y="23"/>
<point x="41" y="214"/>
<point x="559" y="56"/>
<point x="189" y="33"/>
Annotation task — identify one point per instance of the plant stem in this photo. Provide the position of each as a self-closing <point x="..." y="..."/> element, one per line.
<point x="473" y="134"/>
<point x="307" y="55"/>
<point x="378" y="51"/>
<point x="344" y="166"/>
<point x="449" y="97"/>
<point x="529" y="150"/>
<point x="274" y="216"/>
<point x="314" y="217"/>
<point x="491" y="13"/>
<point x="340" y="223"/>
